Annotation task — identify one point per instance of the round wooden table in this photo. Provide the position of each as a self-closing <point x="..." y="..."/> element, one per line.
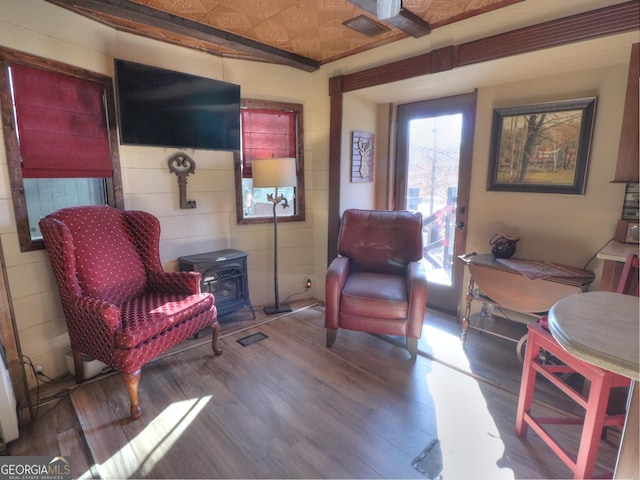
<point x="603" y="328"/>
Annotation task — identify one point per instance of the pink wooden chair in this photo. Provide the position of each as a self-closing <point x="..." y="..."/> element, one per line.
<point x="120" y="306"/>
<point x="595" y="402"/>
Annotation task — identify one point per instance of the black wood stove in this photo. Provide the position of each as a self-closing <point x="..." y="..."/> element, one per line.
<point x="224" y="273"/>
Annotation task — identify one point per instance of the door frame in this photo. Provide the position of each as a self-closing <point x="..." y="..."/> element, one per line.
<point x="465" y="104"/>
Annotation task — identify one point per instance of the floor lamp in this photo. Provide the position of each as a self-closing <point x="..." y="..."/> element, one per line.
<point x="274" y="173"/>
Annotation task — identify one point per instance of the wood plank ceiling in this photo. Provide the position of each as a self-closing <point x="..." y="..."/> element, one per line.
<point x="300" y="33"/>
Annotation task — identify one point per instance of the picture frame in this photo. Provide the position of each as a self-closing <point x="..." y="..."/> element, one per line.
<point x="542" y="148"/>
<point x="362" y="156"/>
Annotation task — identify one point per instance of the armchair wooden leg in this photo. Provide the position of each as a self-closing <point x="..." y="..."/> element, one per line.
<point x="214" y="339"/>
<point x="412" y="346"/>
<point x="132" y="380"/>
<point x="78" y="366"/>
<point x="332" y="333"/>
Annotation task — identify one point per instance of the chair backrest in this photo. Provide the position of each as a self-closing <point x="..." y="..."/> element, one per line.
<point x="94" y="253"/>
<point x="628" y="283"/>
<point x="381" y="240"/>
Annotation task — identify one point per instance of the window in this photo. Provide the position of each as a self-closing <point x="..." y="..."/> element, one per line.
<point x="269" y="129"/>
<point x="60" y="142"/>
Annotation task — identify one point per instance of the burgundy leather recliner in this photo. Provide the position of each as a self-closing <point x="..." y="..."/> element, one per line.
<point x="119" y="305"/>
<point x="377" y="283"/>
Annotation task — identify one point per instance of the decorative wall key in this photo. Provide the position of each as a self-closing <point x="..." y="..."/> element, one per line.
<point x="182" y="165"/>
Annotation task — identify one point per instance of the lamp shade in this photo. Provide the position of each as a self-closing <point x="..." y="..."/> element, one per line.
<point x="274" y="172"/>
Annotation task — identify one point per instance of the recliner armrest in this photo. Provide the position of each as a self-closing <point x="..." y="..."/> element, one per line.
<point x="335" y="279"/>
<point x="179" y="283"/>
<point x="417" y="295"/>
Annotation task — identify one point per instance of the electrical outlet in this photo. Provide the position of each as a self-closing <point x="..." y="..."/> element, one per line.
<point x="307" y="284"/>
<point x="38" y="367"/>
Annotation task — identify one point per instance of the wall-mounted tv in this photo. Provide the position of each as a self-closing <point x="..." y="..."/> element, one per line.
<point x="164" y="108"/>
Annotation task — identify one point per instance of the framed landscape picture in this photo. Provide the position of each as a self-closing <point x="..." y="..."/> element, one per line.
<point x="541" y="148"/>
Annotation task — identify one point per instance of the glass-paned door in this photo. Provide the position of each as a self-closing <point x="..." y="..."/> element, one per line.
<point x="432" y="177"/>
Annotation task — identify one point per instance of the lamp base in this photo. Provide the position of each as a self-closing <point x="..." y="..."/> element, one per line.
<point x="284" y="308"/>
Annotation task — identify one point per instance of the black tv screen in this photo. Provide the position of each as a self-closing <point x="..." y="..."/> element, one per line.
<point x="164" y="108"/>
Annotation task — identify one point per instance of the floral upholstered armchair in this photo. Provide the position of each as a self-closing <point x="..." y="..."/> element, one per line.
<point x="120" y="306"/>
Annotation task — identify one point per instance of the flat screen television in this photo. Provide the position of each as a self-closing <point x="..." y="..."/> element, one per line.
<point x="164" y="108"/>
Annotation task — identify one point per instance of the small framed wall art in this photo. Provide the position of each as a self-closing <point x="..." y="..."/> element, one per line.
<point x="362" y="156"/>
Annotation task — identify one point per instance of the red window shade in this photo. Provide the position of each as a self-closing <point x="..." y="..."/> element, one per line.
<point x="62" y="127"/>
<point x="267" y="134"/>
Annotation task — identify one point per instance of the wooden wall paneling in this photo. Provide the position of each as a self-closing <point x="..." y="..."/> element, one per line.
<point x="624" y="17"/>
<point x="336" y="88"/>
<point x="390" y="72"/>
<point x="628" y="152"/>
<point x="9" y="337"/>
<point x="611" y="20"/>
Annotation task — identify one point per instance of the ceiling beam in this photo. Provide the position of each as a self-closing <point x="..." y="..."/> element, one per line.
<point x="610" y="20"/>
<point x="134" y="12"/>
<point x="405" y="21"/>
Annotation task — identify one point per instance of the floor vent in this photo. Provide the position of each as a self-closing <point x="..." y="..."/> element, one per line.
<point x="429" y="462"/>
<point x="251" y="339"/>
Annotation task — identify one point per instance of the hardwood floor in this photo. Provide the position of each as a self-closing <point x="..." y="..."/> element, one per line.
<point x="287" y="407"/>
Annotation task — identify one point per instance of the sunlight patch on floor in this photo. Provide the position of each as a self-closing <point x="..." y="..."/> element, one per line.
<point x="141" y="454"/>
<point x="471" y="443"/>
<point x="444" y="346"/>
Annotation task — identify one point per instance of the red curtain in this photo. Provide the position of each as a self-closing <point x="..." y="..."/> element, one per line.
<point x="267" y="134"/>
<point x="62" y="126"/>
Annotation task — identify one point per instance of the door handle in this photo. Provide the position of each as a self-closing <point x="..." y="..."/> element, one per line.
<point x="460" y="226"/>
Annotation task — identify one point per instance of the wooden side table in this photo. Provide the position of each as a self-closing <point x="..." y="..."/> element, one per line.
<point x="614" y="255"/>
<point x="504" y="286"/>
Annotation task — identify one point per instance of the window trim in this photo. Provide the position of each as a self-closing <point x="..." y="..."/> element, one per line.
<point x="237" y="160"/>
<point x="115" y="196"/>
